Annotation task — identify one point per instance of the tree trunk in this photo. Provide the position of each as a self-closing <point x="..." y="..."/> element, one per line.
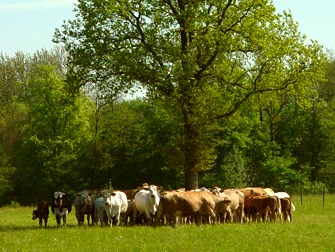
<point x="191" y="180"/>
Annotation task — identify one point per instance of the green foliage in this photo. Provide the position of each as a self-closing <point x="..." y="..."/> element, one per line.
<point x="207" y="58"/>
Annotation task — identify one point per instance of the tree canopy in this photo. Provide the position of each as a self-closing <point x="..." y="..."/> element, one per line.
<point x="202" y="58"/>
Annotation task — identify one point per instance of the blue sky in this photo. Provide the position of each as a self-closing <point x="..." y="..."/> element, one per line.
<point x="29" y="25"/>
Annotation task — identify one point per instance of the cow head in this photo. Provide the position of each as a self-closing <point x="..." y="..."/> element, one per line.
<point x="35" y="214"/>
<point x="85" y="201"/>
<point x="154" y="194"/>
<point x="58" y="198"/>
<point x="216" y="190"/>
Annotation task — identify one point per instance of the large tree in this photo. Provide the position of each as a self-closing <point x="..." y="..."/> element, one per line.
<point x="204" y="58"/>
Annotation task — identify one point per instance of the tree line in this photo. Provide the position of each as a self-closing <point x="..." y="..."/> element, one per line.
<point x="232" y="95"/>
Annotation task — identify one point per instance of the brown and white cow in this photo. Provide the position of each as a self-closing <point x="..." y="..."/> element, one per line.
<point x="286" y="205"/>
<point x="190" y="203"/>
<point x="42" y="213"/>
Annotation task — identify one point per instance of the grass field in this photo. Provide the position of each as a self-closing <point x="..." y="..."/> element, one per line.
<point x="312" y="229"/>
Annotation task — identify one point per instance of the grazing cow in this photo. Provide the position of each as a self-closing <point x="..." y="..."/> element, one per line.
<point x="236" y="204"/>
<point x="42" y="213"/>
<point x="261" y="205"/>
<point x="282" y="195"/>
<point x="116" y="206"/>
<point x="146" y="202"/>
<point x="61" y="206"/>
<point x="84" y="204"/>
<point x="286" y="205"/>
<point x="190" y="203"/>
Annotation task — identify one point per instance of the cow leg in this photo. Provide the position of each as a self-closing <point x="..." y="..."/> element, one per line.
<point x="148" y="218"/>
<point x="58" y="220"/>
<point x="64" y="220"/>
<point x="40" y="220"/>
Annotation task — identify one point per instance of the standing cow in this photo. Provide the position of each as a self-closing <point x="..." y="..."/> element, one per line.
<point x="146" y="201"/>
<point x="116" y="207"/>
<point x="84" y="204"/>
<point x="190" y="203"/>
<point x="61" y="206"/>
<point x="42" y="213"/>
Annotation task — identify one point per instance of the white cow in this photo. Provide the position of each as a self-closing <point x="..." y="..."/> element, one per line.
<point x="116" y="205"/>
<point x="146" y="201"/>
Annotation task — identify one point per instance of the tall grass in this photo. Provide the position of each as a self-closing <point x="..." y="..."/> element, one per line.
<point x="312" y="229"/>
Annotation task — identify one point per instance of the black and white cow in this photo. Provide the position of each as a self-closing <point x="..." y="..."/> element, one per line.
<point x="42" y="213"/>
<point x="61" y="206"/>
<point x="84" y="204"/>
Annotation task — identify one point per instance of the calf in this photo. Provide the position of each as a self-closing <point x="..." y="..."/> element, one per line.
<point x="42" y="213"/>
<point x="61" y="206"/>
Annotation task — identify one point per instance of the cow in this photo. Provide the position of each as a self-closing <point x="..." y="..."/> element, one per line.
<point x="42" y="213"/>
<point x="84" y="204"/>
<point x="61" y="206"/>
<point x="282" y="195"/>
<point x="286" y="205"/>
<point x="190" y="203"/>
<point x="236" y="204"/>
<point x="100" y="211"/>
<point x="146" y="202"/>
<point x="116" y="206"/>
<point x="261" y="205"/>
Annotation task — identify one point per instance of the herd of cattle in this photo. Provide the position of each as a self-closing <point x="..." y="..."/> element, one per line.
<point x="151" y="205"/>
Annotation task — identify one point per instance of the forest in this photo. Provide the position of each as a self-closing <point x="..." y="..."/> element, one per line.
<point x="173" y="93"/>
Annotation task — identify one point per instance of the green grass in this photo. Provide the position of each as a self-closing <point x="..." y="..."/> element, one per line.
<point x="312" y="229"/>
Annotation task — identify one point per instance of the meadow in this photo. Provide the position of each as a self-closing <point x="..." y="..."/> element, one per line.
<point x="312" y="229"/>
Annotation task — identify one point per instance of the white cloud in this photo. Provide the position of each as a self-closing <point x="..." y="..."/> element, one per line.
<point x="33" y="5"/>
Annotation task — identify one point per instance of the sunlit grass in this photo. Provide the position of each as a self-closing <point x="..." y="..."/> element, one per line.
<point x="312" y="229"/>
